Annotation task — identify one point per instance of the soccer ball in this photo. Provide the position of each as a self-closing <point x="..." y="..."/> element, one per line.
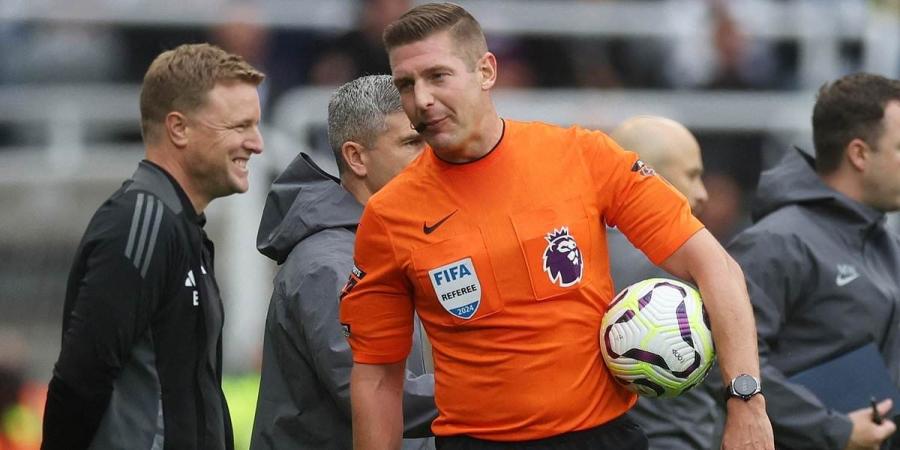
<point x="656" y="339"/>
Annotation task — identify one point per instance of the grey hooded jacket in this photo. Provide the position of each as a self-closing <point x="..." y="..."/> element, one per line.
<point x="822" y="273"/>
<point x="308" y="227"/>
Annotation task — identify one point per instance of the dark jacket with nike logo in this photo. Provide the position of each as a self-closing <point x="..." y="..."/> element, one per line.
<point x="141" y="359"/>
<point x="822" y="272"/>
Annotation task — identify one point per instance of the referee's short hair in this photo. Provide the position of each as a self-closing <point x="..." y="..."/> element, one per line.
<point x="425" y="20"/>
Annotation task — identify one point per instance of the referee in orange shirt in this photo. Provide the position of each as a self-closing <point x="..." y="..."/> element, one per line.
<point x="495" y="236"/>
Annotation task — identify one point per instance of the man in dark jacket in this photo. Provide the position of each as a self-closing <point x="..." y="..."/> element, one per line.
<point x="308" y="227"/>
<point x="141" y="358"/>
<point x="820" y="265"/>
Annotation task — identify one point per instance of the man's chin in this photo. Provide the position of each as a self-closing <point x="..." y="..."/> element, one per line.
<point x="439" y="140"/>
<point x="235" y="187"/>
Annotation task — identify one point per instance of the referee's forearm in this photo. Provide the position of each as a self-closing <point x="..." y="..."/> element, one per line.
<point x="733" y="324"/>
<point x="376" y="396"/>
<point x="724" y="290"/>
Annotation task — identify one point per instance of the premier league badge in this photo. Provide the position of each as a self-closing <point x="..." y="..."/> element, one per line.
<point x="457" y="287"/>
<point x="642" y="168"/>
<point x="562" y="258"/>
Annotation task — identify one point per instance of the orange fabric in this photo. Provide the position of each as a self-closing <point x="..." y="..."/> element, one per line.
<point x="526" y="364"/>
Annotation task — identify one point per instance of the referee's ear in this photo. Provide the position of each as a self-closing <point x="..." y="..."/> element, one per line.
<point x="487" y="68"/>
<point x="352" y="154"/>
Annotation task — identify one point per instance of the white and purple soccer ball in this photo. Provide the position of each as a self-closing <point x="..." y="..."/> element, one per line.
<point x="656" y="339"/>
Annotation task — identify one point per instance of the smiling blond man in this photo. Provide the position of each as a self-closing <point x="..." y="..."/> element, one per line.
<point x="141" y="358"/>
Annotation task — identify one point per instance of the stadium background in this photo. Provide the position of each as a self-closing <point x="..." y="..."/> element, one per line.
<point x="741" y="74"/>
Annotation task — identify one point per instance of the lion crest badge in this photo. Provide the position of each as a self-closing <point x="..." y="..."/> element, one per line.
<point x="562" y="258"/>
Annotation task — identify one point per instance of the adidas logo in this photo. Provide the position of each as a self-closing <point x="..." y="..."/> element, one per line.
<point x="189" y="281"/>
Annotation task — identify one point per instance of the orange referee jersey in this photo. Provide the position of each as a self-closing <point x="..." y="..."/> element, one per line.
<point x="505" y="261"/>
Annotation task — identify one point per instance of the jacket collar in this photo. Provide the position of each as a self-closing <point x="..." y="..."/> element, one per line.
<point x="795" y="181"/>
<point x="153" y="178"/>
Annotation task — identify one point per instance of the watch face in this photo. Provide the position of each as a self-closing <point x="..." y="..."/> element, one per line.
<point x="744" y="385"/>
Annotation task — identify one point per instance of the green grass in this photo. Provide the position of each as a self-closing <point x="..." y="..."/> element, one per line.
<point x="241" y="392"/>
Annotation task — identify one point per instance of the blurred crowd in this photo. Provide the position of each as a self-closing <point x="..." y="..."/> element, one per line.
<point x="64" y="52"/>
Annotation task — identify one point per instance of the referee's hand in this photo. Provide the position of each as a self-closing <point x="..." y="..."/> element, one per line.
<point x="747" y="425"/>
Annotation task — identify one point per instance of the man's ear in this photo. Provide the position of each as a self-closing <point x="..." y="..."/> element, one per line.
<point x="858" y="154"/>
<point x="487" y="67"/>
<point x="176" y="128"/>
<point x="352" y="154"/>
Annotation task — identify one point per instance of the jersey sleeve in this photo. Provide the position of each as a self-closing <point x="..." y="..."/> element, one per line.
<point x="652" y="214"/>
<point x="113" y="289"/>
<point x="376" y="304"/>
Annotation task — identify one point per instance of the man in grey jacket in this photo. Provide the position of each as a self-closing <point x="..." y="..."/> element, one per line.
<point x="308" y="227"/>
<point x="820" y="265"/>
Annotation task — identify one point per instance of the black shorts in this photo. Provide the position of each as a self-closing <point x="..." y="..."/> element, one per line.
<point x="619" y="434"/>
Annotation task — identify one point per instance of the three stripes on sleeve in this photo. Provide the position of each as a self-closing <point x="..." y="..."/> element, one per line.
<point x="145" y="223"/>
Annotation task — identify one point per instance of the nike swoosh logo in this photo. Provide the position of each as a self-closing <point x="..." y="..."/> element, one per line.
<point x="430" y="229"/>
<point x="844" y="280"/>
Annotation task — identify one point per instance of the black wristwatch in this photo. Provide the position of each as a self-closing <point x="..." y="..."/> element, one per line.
<point x="743" y="387"/>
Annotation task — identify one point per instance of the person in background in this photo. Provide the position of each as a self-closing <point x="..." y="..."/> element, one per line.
<point x="821" y="267"/>
<point x="674" y="153"/>
<point x="670" y="149"/>
<point x="308" y="227"/>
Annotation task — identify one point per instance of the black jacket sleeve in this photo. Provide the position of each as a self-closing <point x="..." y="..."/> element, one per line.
<point x="776" y="269"/>
<point x="114" y="285"/>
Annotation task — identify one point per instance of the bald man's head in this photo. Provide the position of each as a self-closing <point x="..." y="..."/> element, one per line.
<point x="668" y="147"/>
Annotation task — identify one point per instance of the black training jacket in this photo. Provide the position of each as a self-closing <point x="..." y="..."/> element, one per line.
<point x="141" y="359"/>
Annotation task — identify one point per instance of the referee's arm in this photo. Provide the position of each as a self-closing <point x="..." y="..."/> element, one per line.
<point x="724" y="292"/>
<point x="377" y="393"/>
